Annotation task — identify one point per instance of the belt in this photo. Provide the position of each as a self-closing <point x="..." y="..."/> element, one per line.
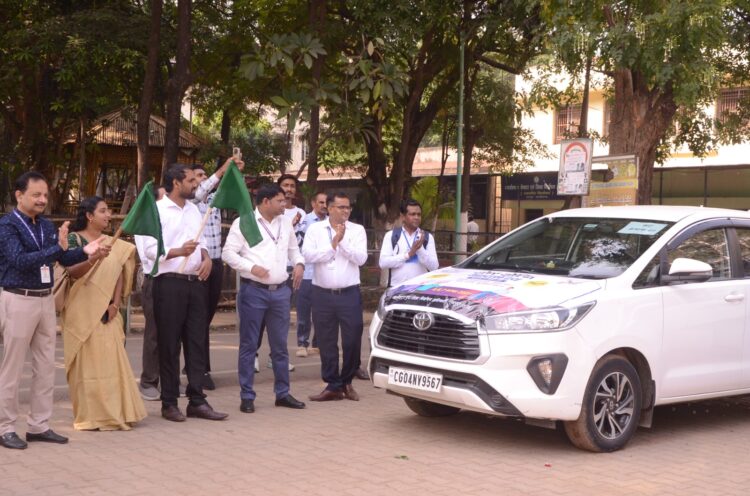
<point x="270" y="287"/>
<point x="184" y="277"/>
<point x="29" y="292"/>
<point x="336" y="291"/>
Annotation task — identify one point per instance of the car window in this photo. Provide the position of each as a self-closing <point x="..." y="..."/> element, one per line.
<point x="649" y="276"/>
<point x="743" y="235"/>
<point x="585" y="247"/>
<point x="708" y="246"/>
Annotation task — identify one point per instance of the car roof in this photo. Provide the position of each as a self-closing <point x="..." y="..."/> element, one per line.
<point x="667" y="213"/>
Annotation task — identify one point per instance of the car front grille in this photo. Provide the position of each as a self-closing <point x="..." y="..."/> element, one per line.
<point x="447" y="338"/>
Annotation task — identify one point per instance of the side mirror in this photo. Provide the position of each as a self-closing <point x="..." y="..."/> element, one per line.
<point x="687" y="270"/>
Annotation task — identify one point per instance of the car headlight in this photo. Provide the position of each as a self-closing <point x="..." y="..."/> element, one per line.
<point x="381" y="307"/>
<point x="542" y="319"/>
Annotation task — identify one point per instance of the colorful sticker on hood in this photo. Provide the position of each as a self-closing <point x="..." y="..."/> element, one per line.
<point x="468" y="302"/>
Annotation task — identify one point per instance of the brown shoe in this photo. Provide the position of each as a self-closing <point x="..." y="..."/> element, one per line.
<point x="205" y="411"/>
<point x="350" y="393"/>
<point x="172" y="413"/>
<point x="328" y="395"/>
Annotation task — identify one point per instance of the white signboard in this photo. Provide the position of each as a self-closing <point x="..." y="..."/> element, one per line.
<point x="574" y="176"/>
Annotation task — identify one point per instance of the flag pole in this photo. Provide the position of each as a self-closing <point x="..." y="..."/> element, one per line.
<point x="197" y="237"/>
<point x="90" y="273"/>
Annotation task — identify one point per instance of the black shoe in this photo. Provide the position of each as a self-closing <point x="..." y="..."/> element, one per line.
<point x="12" y="441"/>
<point x="48" y="436"/>
<point x="247" y="406"/>
<point x="208" y="382"/>
<point x="289" y="401"/>
<point x="362" y="374"/>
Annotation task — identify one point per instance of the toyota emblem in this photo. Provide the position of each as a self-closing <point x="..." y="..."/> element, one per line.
<point x="423" y="321"/>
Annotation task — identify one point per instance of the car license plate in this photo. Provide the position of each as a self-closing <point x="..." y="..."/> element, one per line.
<point x="424" y="381"/>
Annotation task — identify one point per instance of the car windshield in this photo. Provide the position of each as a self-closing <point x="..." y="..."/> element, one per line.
<point x="586" y="247"/>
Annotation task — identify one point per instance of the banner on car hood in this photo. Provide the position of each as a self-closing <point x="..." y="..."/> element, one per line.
<point x="474" y="293"/>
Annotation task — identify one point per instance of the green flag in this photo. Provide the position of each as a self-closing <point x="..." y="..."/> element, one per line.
<point x="143" y="219"/>
<point x="232" y="194"/>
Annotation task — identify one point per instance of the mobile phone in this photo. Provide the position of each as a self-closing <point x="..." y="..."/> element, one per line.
<point x="236" y="153"/>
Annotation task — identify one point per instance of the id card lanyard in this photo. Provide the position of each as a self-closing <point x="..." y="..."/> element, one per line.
<point x="45" y="274"/>
<point x="413" y="258"/>
<point x="278" y="232"/>
<point x="274" y="239"/>
<point x="31" y="231"/>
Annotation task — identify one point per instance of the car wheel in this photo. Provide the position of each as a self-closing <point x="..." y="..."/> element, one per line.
<point x="429" y="409"/>
<point x="611" y="407"/>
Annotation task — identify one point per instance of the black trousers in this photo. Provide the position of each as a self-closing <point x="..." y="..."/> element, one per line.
<point x="213" y="284"/>
<point x="150" y="360"/>
<point x="329" y="313"/>
<point x="180" y="308"/>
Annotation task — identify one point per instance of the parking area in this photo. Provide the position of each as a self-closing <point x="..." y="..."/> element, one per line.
<point x="374" y="446"/>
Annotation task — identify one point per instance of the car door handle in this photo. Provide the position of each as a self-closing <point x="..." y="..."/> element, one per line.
<point x="734" y="297"/>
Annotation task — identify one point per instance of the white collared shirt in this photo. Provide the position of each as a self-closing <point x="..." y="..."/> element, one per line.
<point x="268" y="254"/>
<point x="396" y="257"/>
<point x="309" y="220"/>
<point x="140" y="246"/>
<point x="178" y="225"/>
<point x="335" y="269"/>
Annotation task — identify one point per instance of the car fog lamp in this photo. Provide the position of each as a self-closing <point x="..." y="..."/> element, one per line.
<point x="545" y="370"/>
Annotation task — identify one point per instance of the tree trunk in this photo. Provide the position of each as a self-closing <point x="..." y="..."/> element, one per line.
<point x="640" y="119"/>
<point x="377" y="176"/>
<point x="318" y="10"/>
<point x="177" y="85"/>
<point x="147" y="95"/>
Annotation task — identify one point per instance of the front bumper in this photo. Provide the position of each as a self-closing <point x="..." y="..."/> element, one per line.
<point x="498" y="382"/>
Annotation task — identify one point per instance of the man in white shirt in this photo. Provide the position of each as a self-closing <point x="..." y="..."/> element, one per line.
<point x="264" y="293"/>
<point x="408" y="251"/>
<point x="337" y="248"/>
<point x="288" y="183"/>
<point x="304" y="293"/>
<point x="204" y="195"/>
<point x="180" y="297"/>
<point x="149" y="385"/>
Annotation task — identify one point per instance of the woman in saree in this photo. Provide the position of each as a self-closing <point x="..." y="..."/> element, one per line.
<point x="102" y="387"/>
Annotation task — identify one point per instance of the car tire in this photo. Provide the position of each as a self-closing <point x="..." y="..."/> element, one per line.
<point x="611" y="407"/>
<point x="430" y="409"/>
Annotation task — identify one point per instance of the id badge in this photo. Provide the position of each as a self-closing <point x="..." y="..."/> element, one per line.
<point x="45" y="273"/>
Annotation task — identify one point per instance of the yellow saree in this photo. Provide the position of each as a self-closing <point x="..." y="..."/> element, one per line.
<point x="102" y="387"/>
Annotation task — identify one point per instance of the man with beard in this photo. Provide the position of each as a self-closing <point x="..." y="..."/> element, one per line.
<point x="181" y="299"/>
<point x="204" y="195"/>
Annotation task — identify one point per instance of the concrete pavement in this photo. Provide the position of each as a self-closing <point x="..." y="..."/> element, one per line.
<point x="375" y="446"/>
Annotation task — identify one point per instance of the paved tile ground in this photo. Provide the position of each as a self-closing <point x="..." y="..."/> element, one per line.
<point x="375" y="446"/>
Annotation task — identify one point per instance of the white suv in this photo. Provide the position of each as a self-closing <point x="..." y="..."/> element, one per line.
<point x="587" y="316"/>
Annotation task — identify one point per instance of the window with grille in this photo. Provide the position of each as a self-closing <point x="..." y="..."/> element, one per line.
<point x="730" y="100"/>
<point x="567" y="120"/>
